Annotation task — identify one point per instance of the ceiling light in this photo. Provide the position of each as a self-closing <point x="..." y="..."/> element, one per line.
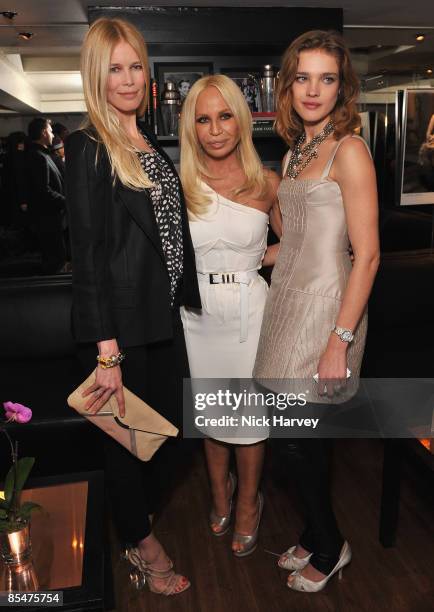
<point x="420" y="37"/>
<point x="25" y="35"/>
<point x="9" y="14"/>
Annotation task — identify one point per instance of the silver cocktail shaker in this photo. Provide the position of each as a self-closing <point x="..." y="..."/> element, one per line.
<point x="170" y="108"/>
<point x="267" y="86"/>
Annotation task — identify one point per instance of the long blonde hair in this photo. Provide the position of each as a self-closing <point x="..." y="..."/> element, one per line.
<point x="193" y="161"/>
<point x="99" y="43"/>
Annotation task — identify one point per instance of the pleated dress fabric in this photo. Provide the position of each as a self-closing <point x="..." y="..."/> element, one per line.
<point x="229" y="238"/>
<point x="307" y="285"/>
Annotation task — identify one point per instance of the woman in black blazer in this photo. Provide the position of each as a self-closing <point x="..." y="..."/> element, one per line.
<point x="133" y="266"/>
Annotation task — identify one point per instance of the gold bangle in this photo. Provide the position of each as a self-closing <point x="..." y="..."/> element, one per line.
<point x="112" y="361"/>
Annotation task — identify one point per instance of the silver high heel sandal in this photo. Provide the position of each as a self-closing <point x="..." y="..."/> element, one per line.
<point x="249" y="542"/>
<point x="223" y="522"/>
<point x="300" y="583"/>
<point x="289" y="561"/>
<point x="143" y="572"/>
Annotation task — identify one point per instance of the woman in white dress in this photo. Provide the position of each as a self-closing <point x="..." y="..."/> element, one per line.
<point x="230" y="198"/>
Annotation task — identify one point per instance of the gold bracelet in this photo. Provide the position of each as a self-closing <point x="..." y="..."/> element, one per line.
<point x="112" y="361"/>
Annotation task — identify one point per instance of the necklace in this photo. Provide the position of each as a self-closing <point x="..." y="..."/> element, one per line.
<point x="301" y="157"/>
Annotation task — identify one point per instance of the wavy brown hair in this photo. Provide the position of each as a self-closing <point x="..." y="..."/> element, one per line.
<point x="289" y="124"/>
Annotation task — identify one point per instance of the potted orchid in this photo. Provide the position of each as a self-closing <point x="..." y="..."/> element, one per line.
<point x="14" y="515"/>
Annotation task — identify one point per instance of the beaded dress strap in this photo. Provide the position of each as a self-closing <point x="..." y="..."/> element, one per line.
<point x="286" y="163"/>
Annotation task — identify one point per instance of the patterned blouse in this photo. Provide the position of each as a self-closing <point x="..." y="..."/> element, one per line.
<point x="166" y="201"/>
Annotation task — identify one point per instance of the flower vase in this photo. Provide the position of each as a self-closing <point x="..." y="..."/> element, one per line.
<point x="16" y="547"/>
<point x="21" y="577"/>
<point x="16" y="553"/>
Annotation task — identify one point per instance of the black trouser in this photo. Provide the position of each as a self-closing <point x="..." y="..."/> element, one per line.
<point x="136" y="488"/>
<point x="310" y="463"/>
<point x="154" y="373"/>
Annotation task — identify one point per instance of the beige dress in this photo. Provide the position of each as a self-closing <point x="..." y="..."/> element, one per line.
<point x="307" y="285"/>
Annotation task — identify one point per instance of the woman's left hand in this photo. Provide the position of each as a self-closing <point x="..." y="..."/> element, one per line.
<point x="332" y="367"/>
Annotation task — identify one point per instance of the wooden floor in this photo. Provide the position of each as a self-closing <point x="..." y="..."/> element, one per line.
<point x="395" y="580"/>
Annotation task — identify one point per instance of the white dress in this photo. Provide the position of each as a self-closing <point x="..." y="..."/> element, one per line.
<point x="229" y="240"/>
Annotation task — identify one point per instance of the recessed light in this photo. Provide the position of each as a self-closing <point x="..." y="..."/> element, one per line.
<point x="420" y="37"/>
<point x="25" y="35"/>
<point x="9" y="14"/>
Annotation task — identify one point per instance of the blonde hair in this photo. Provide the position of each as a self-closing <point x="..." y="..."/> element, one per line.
<point x="345" y="116"/>
<point x="193" y="160"/>
<point x="99" y="43"/>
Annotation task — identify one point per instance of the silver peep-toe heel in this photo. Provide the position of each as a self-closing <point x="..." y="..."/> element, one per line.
<point x="249" y="542"/>
<point x="223" y="522"/>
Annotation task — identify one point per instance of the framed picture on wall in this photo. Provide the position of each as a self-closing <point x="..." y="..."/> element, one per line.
<point x="183" y="74"/>
<point x="365" y="128"/>
<point x="248" y="81"/>
<point x="416" y="149"/>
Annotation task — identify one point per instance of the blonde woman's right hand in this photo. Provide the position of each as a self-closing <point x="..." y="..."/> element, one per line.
<point x="108" y="382"/>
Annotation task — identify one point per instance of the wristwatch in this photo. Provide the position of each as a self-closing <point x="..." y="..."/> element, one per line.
<point x="346" y="335"/>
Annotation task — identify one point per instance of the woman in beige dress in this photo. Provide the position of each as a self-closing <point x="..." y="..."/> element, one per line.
<point x="315" y="318"/>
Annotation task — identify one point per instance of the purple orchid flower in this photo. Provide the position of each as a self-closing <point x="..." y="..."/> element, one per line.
<point x="17" y="412"/>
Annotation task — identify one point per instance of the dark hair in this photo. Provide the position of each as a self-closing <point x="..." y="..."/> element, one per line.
<point x="13" y="140"/>
<point x="59" y="129"/>
<point x="345" y="116"/>
<point x="36" y="127"/>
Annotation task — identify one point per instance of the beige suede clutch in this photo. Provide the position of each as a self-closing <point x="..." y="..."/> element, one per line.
<point x="141" y="431"/>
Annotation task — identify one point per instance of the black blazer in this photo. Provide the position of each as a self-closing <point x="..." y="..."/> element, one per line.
<point x="119" y="274"/>
<point x="45" y="188"/>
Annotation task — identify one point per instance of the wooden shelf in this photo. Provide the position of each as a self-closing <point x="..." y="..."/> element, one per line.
<point x="174" y="139"/>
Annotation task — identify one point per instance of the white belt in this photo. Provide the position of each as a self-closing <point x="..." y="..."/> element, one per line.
<point x="241" y="278"/>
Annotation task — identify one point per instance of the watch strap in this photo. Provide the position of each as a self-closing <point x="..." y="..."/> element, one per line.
<point x="346" y="335"/>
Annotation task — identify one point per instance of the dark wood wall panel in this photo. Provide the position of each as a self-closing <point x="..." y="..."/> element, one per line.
<point x="222" y="30"/>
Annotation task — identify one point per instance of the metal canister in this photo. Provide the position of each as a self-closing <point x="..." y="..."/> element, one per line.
<point x="267" y="86"/>
<point x="170" y="108"/>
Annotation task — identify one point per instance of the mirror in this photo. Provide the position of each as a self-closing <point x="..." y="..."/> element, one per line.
<point x="417" y="148"/>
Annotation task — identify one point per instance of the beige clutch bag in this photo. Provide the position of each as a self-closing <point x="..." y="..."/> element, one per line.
<point x="141" y="431"/>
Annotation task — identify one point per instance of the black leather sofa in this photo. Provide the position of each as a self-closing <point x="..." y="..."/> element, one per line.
<point x="400" y="341"/>
<point x="38" y="368"/>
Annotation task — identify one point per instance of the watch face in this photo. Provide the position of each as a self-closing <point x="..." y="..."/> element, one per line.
<point x="347" y="336"/>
